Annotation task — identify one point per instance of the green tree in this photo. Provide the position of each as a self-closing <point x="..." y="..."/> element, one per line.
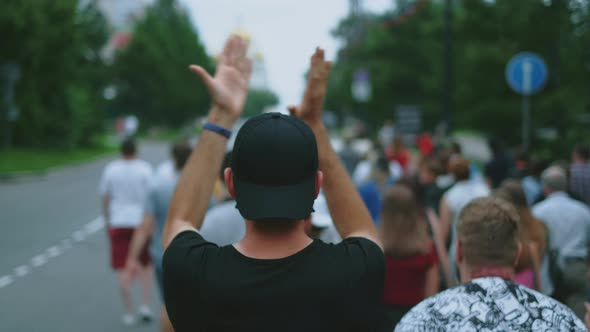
<point x="56" y="45"/>
<point x="258" y="100"/>
<point x="151" y="73"/>
<point x="405" y="64"/>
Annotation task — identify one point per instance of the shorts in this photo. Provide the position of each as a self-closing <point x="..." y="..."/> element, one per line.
<point x="120" y="239"/>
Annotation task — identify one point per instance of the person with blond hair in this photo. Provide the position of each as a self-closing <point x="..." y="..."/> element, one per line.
<point x="410" y="254"/>
<point x="488" y="249"/>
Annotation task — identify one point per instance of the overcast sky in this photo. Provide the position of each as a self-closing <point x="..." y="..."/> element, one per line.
<point x="285" y="31"/>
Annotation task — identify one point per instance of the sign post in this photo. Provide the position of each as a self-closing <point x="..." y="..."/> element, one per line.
<point x="526" y="74"/>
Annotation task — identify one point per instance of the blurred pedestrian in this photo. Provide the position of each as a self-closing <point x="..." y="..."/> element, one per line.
<point x="532" y="236"/>
<point x="364" y="168"/>
<point x="155" y="212"/>
<point x="580" y="173"/>
<point x="498" y="168"/>
<point x="386" y="133"/>
<point x="399" y="153"/>
<point x="568" y="222"/>
<point x="223" y="223"/>
<point x="454" y="200"/>
<point x="349" y="156"/>
<point x="276" y="278"/>
<point x="373" y="190"/>
<point x="123" y="187"/>
<point x="321" y="225"/>
<point x="410" y="254"/>
<point x="521" y="165"/>
<point x="425" y="144"/>
<point x="531" y="184"/>
<point x="430" y="169"/>
<point x="488" y="300"/>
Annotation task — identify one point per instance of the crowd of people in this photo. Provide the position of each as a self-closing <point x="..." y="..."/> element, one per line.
<point x="283" y="233"/>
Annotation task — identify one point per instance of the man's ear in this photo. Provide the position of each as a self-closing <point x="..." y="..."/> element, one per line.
<point x="228" y="176"/>
<point x="459" y="252"/>
<point x="518" y="254"/>
<point x="319" y="180"/>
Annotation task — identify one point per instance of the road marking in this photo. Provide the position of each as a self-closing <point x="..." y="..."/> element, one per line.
<point x="22" y="271"/>
<point x="5" y="281"/>
<point x="54" y="251"/>
<point x="79" y="236"/>
<point x="38" y="260"/>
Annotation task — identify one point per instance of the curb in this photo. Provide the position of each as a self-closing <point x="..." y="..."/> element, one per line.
<point x="26" y="175"/>
<point x="21" y="175"/>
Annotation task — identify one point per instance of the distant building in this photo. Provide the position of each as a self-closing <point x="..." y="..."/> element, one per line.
<point x="258" y="79"/>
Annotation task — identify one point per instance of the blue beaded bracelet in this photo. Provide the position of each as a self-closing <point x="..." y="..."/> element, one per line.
<point x="217" y="129"/>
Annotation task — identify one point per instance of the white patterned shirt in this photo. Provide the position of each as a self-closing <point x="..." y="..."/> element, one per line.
<point x="490" y="304"/>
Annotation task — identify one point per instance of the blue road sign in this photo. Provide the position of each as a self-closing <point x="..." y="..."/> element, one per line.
<point x="526" y="73"/>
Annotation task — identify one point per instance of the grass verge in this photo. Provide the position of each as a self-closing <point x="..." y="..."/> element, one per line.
<point x="18" y="160"/>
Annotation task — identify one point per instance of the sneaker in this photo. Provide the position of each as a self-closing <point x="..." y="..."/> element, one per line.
<point x="145" y="313"/>
<point x="128" y="319"/>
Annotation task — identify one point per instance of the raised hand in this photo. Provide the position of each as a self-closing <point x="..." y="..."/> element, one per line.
<point x="310" y="110"/>
<point x="229" y="87"/>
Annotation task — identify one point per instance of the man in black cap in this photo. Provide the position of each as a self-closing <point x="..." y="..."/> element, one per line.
<point x="276" y="278"/>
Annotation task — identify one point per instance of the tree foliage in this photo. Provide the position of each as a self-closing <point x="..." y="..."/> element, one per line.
<point x="61" y="72"/>
<point x="151" y="73"/>
<point x="405" y="63"/>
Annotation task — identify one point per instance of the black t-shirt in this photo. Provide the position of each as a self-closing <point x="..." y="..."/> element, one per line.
<point x="324" y="287"/>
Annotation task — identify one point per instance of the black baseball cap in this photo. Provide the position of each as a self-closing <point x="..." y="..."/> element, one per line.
<point x="274" y="163"/>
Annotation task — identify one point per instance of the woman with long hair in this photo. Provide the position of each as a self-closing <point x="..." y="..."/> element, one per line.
<point x="411" y="259"/>
<point x="533" y="236"/>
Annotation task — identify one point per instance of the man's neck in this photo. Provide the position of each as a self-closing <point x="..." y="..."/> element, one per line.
<point x="264" y="243"/>
<point x="470" y="273"/>
<point x="130" y="157"/>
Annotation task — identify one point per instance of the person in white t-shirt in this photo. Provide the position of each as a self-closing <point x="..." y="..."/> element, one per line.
<point x="123" y="189"/>
<point x="454" y="200"/>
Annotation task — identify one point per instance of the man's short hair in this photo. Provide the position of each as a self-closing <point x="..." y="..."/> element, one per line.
<point x="128" y="147"/>
<point x="459" y="167"/>
<point x="554" y="178"/>
<point x="181" y="152"/>
<point x="488" y="232"/>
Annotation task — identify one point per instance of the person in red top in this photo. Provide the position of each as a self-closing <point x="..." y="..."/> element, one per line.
<point x="399" y="153"/>
<point x="411" y="260"/>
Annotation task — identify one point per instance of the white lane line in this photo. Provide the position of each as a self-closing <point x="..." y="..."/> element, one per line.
<point x="54" y="251"/>
<point x="5" y="281"/>
<point x="94" y="226"/>
<point x="22" y="271"/>
<point x="38" y="260"/>
<point x="79" y="236"/>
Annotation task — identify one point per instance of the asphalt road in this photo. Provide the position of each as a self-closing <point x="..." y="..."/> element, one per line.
<point x="54" y="259"/>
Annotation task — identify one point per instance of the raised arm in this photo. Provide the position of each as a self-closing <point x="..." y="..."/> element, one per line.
<point x="228" y="89"/>
<point x="348" y="211"/>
